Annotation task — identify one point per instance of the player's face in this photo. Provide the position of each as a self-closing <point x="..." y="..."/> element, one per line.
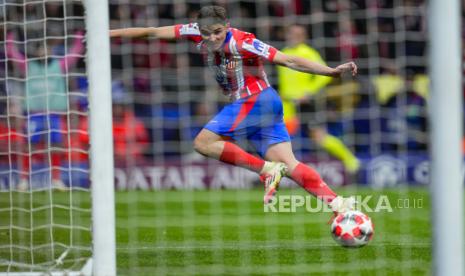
<point x="214" y="35"/>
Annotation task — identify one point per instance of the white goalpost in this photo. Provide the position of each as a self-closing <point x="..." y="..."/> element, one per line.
<point x="446" y="112"/>
<point x="101" y="138"/>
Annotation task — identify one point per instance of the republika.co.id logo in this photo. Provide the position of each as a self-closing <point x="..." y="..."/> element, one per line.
<point x="367" y="204"/>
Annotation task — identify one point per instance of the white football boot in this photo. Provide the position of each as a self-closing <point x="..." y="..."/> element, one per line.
<point x="341" y="205"/>
<point x="271" y="176"/>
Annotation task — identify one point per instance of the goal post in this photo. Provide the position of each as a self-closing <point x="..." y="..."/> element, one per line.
<point x="101" y="141"/>
<point x="446" y="113"/>
<point x="57" y="210"/>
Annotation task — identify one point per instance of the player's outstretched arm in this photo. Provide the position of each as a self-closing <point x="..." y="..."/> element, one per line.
<point x="308" y="66"/>
<point x="166" y="32"/>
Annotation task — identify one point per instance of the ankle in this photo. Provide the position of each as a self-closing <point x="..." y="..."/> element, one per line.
<point x="266" y="166"/>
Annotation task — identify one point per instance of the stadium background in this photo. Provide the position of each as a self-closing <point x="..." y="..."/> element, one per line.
<point x="387" y="132"/>
<point x="172" y="95"/>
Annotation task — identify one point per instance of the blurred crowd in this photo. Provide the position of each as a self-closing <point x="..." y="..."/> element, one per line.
<point x="163" y="95"/>
<point x="383" y="110"/>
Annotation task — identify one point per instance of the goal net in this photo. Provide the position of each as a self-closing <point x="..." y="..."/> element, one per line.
<point x="44" y="176"/>
<point x="171" y="225"/>
<point x="180" y="213"/>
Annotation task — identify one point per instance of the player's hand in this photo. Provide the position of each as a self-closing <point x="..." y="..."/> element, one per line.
<point x="114" y="33"/>
<point x="346" y="67"/>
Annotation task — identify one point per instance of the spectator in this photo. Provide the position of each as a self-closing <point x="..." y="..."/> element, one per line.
<point x="417" y="96"/>
<point x="388" y="84"/>
<point x="46" y="100"/>
<point x="130" y="137"/>
<point x="297" y="90"/>
<point x="11" y="137"/>
<point x="346" y="39"/>
<point x="403" y="100"/>
<point x="129" y="133"/>
<point x="386" y="47"/>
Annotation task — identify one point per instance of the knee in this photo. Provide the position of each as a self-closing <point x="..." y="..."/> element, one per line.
<point x="290" y="161"/>
<point x="291" y="164"/>
<point x="200" y="145"/>
<point x="203" y="144"/>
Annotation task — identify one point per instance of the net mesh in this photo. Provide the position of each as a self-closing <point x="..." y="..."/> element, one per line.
<point x="180" y="213"/>
<point x="45" y="205"/>
<point x="379" y="114"/>
<point x="380" y="117"/>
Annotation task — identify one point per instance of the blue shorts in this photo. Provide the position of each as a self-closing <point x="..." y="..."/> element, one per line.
<point x="40" y="126"/>
<point x="257" y="118"/>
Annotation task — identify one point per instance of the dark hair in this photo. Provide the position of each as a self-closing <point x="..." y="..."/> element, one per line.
<point x="210" y="15"/>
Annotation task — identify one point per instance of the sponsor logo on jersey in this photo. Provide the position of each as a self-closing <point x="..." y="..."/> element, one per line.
<point x="189" y="29"/>
<point x="257" y="47"/>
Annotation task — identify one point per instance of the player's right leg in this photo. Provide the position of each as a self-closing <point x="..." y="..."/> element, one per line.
<point x="308" y="178"/>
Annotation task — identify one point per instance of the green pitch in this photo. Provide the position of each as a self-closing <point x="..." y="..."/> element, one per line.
<point x="227" y="232"/>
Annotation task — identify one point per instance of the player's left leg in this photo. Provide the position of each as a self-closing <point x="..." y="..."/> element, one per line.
<point x="216" y="146"/>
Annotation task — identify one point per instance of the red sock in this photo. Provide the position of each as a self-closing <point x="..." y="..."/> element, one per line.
<point x="310" y="180"/>
<point x="232" y="154"/>
<point x="56" y="162"/>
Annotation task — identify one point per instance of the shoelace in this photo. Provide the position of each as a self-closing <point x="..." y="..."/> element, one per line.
<point x="266" y="179"/>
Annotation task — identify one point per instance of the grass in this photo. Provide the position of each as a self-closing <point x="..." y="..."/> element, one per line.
<point x="219" y="232"/>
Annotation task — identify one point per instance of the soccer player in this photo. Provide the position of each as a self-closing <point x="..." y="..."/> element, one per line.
<point x="297" y="89"/>
<point x="255" y="112"/>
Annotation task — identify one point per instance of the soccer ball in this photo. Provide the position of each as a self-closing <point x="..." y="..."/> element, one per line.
<point x="352" y="229"/>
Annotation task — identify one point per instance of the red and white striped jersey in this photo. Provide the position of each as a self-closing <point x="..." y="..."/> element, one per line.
<point x="238" y="67"/>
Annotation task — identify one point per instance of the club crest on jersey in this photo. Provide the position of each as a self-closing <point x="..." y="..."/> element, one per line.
<point x="257" y="47"/>
<point x="220" y="78"/>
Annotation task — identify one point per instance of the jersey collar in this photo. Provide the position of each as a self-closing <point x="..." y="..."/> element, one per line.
<point x="227" y="39"/>
<point x="228" y="36"/>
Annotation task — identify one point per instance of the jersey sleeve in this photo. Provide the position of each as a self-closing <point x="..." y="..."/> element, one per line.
<point x="253" y="46"/>
<point x="188" y="31"/>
